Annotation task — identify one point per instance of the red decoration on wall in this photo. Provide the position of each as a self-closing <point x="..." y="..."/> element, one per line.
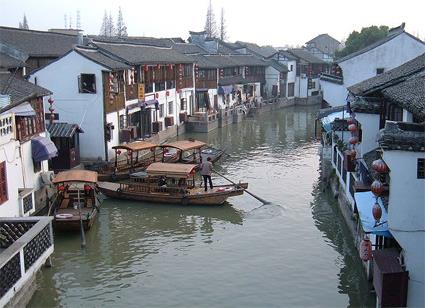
<point x="167" y="93"/>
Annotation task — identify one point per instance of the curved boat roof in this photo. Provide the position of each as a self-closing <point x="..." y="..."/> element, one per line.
<point x="85" y="176"/>
<point x="136" y="146"/>
<point x="170" y="170"/>
<point x="185" y="145"/>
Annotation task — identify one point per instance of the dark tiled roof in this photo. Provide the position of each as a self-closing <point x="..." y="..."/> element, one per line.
<point x="63" y="130"/>
<point x="203" y="61"/>
<point x="366" y="105"/>
<point x="38" y="43"/>
<point x="263" y="51"/>
<point x="7" y="61"/>
<point x="305" y="56"/>
<point x="224" y="81"/>
<point x="148" y="41"/>
<point x="141" y="54"/>
<point x="402" y="136"/>
<point x="19" y="89"/>
<point x="393" y="76"/>
<point x="222" y="61"/>
<point x="188" y="48"/>
<point x="325" y="43"/>
<point x="389" y="37"/>
<point x="409" y="95"/>
<point x="277" y="65"/>
<point x="285" y="54"/>
<point x="100" y="58"/>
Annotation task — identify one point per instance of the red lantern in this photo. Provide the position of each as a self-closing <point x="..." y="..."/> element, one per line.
<point x="170" y="66"/>
<point x="377" y="188"/>
<point x="61" y="188"/>
<point x="366" y="249"/>
<point x="87" y="187"/>
<point x="118" y="152"/>
<point x="377" y="212"/>
<point x="167" y="93"/>
<point x="353" y="154"/>
<point x="146" y="68"/>
<point x="352" y="127"/>
<point x="379" y="166"/>
<point x="353" y="140"/>
<point x="156" y="95"/>
<point x="351" y="121"/>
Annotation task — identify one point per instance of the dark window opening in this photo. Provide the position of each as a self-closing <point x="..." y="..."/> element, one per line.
<point x="87" y="83"/>
<point x="379" y="71"/>
<point x="148" y="87"/>
<point x="159" y="86"/>
<point x="421" y="168"/>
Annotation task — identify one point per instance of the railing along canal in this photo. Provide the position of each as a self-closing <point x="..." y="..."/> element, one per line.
<point x="25" y="245"/>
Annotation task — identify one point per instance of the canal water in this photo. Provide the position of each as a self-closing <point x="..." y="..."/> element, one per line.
<point x="293" y="252"/>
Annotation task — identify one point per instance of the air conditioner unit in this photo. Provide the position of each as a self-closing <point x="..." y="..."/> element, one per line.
<point x="47" y="177"/>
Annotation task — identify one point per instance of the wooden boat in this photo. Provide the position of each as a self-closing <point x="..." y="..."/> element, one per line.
<point x="77" y="200"/>
<point x="189" y="151"/>
<point x="178" y="186"/>
<point x="130" y="157"/>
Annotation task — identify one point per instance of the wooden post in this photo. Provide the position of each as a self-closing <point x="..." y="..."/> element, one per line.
<point x="116" y="159"/>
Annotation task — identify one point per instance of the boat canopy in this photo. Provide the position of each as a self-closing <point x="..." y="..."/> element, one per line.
<point x="136" y="146"/>
<point x="185" y="145"/>
<point x="85" y="176"/>
<point x="170" y="170"/>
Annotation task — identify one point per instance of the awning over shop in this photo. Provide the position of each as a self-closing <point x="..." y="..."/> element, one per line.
<point x="148" y="103"/>
<point x="43" y="149"/>
<point x="133" y="108"/>
<point x="23" y="110"/>
<point x="365" y="201"/>
<point x="328" y="120"/>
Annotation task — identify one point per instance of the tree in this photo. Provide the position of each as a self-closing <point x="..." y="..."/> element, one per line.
<point x="223" y="32"/>
<point x="24" y="23"/>
<point x="210" y="25"/>
<point x="121" y="27"/>
<point x="111" y="26"/>
<point x="104" y="27"/>
<point x="359" y="40"/>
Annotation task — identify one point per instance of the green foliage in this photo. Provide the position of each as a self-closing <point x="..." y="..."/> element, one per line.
<point x="359" y="40"/>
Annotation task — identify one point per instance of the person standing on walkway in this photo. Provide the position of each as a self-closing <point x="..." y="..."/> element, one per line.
<point x="206" y="169"/>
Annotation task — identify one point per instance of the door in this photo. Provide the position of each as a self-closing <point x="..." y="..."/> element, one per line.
<point x="146" y="119"/>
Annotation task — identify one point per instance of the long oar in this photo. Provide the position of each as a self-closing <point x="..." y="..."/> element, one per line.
<point x="250" y="193"/>
<point x="83" y="236"/>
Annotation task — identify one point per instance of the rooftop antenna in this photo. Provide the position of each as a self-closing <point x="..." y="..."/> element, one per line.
<point x="65" y="21"/>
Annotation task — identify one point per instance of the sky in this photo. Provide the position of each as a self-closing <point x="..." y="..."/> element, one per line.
<point x="265" y="22"/>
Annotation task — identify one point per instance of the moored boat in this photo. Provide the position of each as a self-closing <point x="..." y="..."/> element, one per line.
<point x="170" y="183"/>
<point x="77" y="201"/>
<point x="189" y="151"/>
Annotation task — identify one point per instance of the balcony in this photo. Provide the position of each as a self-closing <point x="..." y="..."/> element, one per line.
<point x="25" y="245"/>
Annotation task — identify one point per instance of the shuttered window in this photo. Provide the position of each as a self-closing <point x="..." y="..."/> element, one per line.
<point x="3" y="183"/>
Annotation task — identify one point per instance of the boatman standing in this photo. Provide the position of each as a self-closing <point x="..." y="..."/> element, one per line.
<point x="206" y="169"/>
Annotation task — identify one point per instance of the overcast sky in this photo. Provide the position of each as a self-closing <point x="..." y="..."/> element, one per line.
<point x="266" y="22"/>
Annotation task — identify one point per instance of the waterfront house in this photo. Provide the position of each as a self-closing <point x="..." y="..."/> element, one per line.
<point x="26" y="147"/>
<point x="389" y="126"/>
<point x="392" y="51"/>
<point x="290" y="61"/>
<point x="89" y="92"/>
<point x="40" y="47"/>
<point x="323" y="47"/>
<point x="308" y="70"/>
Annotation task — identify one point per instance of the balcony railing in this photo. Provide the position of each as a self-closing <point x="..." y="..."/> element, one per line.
<point x="25" y="245"/>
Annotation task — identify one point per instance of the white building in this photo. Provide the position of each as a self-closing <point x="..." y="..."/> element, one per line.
<point x="323" y="47"/>
<point x="394" y="50"/>
<point x="290" y="62"/>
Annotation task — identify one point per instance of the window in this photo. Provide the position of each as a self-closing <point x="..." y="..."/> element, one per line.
<point x="421" y="168"/>
<point x="379" y="71"/>
<point x="148" y="87"/>
<point x="36" y="166"/>
<point x="3" y="183"/>
<point x="160" y="86"/>
<point x="291" y="67"/>
<point x="123" y="121"/>
<point x="161" y="110"/>
<point x="171" y="84"/>
<point x="87" y="83"/>
<point x="183" y="104"/>
<point x="170" y="107"/>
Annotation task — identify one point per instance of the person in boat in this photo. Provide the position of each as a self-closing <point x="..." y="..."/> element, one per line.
<point x="206" y="169"/>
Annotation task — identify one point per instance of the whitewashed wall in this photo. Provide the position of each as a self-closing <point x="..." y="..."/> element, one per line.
<point x="389" y="55"/>
<point x="272" y="78"/>
<point x="370" y="128"/>
<point x="406" y="218"/>
<point x="334" y="94"/>
<point x="61" y="77"/>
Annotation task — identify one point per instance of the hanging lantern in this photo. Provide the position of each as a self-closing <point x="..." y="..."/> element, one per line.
<point x="87" y="187"/>
<point x="377" y="188"/>
<point x="167" y="93"/>
<point x="353" y="140"/>
<point x="366" y="249"/>
<point x="377" y="212"/>
<point x="379" y="166"/>
<point x="352" y="127"/>
<point x="61" y="188"/>
<point x="118" y="152"/>
<point x="170" y="67"/>
<point x="351" y="121"/>
<point x="146" y="68"/>
<point x="158" y="67"/>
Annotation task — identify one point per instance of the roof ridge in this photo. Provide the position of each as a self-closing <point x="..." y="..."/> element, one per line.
<point x="37" y="31"/>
